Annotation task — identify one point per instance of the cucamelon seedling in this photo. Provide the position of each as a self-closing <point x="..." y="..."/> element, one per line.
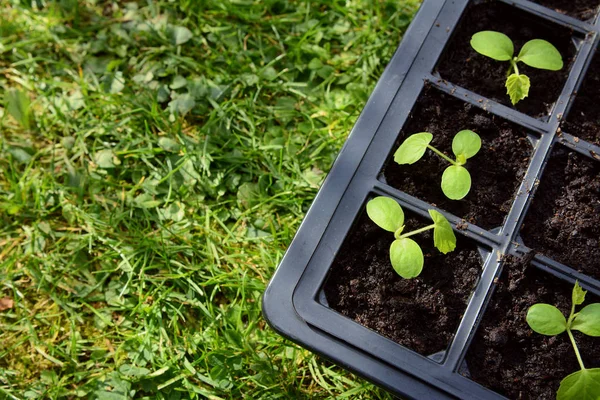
<point x="405" y="254"/>
<point x="547" y="320"/>
<point x="456" y="180"/>
<point x="536" y="53"/>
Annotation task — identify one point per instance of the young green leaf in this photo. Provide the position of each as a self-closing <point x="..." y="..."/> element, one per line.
<point x="443" y="235"/>
<point x="386" y="213"/>
<point x="580" y="385"/>
<point x="588" y="320"/>
<point x="546" y="319"/>
<point x="517" y="87"/>
<point x="541" y="54"/>
<point x="493" y="44"/>
<point x="456" y="182"/>
<point x="466" y="143"/>
<point x="407" y="258"/>
<point x="413" y="148"/>
<point x="578" y="295"/>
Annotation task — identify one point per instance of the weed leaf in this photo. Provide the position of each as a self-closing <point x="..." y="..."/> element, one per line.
<point x="180" y="35"/>
<point x="517" y="87"/>
<point x="407" y="258"/>
<point x="541" y="54"/>
<point x="588" y="320"/>
<point x="456" y="182"/>
<point x="466" y="143"/>
<point x="413" y="148"/>
<point x="386" y="213"/>
<point x="443" y="235"/>
<point x="580" y="385"/>
<point x="546" y="319"/>
<point x="18" y="105"/>
<point x="493" y="44"/>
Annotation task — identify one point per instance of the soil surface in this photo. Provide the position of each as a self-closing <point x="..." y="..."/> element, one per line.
<point x="421" y="313"/>
<point x="583" y="120"/>
<point x="496" y="171"/>
<point x="463" y="66"/>
<point x="580" y="9"/>
<point x="507" y="356"/>
<point x="563" y="221"/>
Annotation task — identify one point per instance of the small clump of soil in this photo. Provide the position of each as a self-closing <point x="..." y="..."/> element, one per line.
<point x="496" y="171"/>
<point x="463" y="66"/>
<point x="421" y="313"/>
<point x="507" y="356"/>
<point x="580" y="9"/>
<point x="583" y="120"/>
<point x="563" y="222"/>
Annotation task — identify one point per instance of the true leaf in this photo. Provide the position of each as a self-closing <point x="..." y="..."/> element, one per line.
<point x="546" y="319"/>
<point x="406" y="257"/>
<point x="517" y="87"/>
<point x="456" y="182"/>
<point x="386" y="213"/>
<point x="493" y="44"/>
<point x="578" y="295"/>
<point x="580" y="385"/>
<point x="466" y="143"/>
<point x="541" y="54"/>
<point x="443" y="235"/>
<point x="413" y="148"/>
<point x="588" y="320"/>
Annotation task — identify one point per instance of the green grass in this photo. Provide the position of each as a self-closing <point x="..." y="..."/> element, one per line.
<point x="156" y="159"/>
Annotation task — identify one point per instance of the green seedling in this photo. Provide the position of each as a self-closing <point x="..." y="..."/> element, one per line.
<point x="548" y="320"/>
<point x="405" y="254"/>
<point x="536" y="53"/>
<point x="456" y="180"/>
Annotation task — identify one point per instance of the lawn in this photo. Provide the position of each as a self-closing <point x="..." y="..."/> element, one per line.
<point x="156" y="159"/>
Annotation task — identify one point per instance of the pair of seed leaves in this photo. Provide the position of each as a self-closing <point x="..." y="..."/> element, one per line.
<point x="547" y="320"/>
<point x="405" y="254"/>
<point x="456" y="180"/>
<point x="536" y="53"/>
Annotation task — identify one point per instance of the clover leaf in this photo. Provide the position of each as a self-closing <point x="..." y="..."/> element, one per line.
<point x="406" y="255"/>
<point x="536" y="53"/>
<point x="456" y="180"/>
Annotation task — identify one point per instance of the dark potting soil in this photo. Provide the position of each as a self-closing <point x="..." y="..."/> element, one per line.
<point x="463" y="66"/>
<point x="421" y="313"/>
<point x="580" y="9"/>
<point x="507" y="356"/>
<point x="563" y="221"/>
<point x="496" y="171"/>
<point x="583" y="120"/>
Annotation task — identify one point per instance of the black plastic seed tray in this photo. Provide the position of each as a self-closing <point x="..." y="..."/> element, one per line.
<point x="295" y="303"/>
